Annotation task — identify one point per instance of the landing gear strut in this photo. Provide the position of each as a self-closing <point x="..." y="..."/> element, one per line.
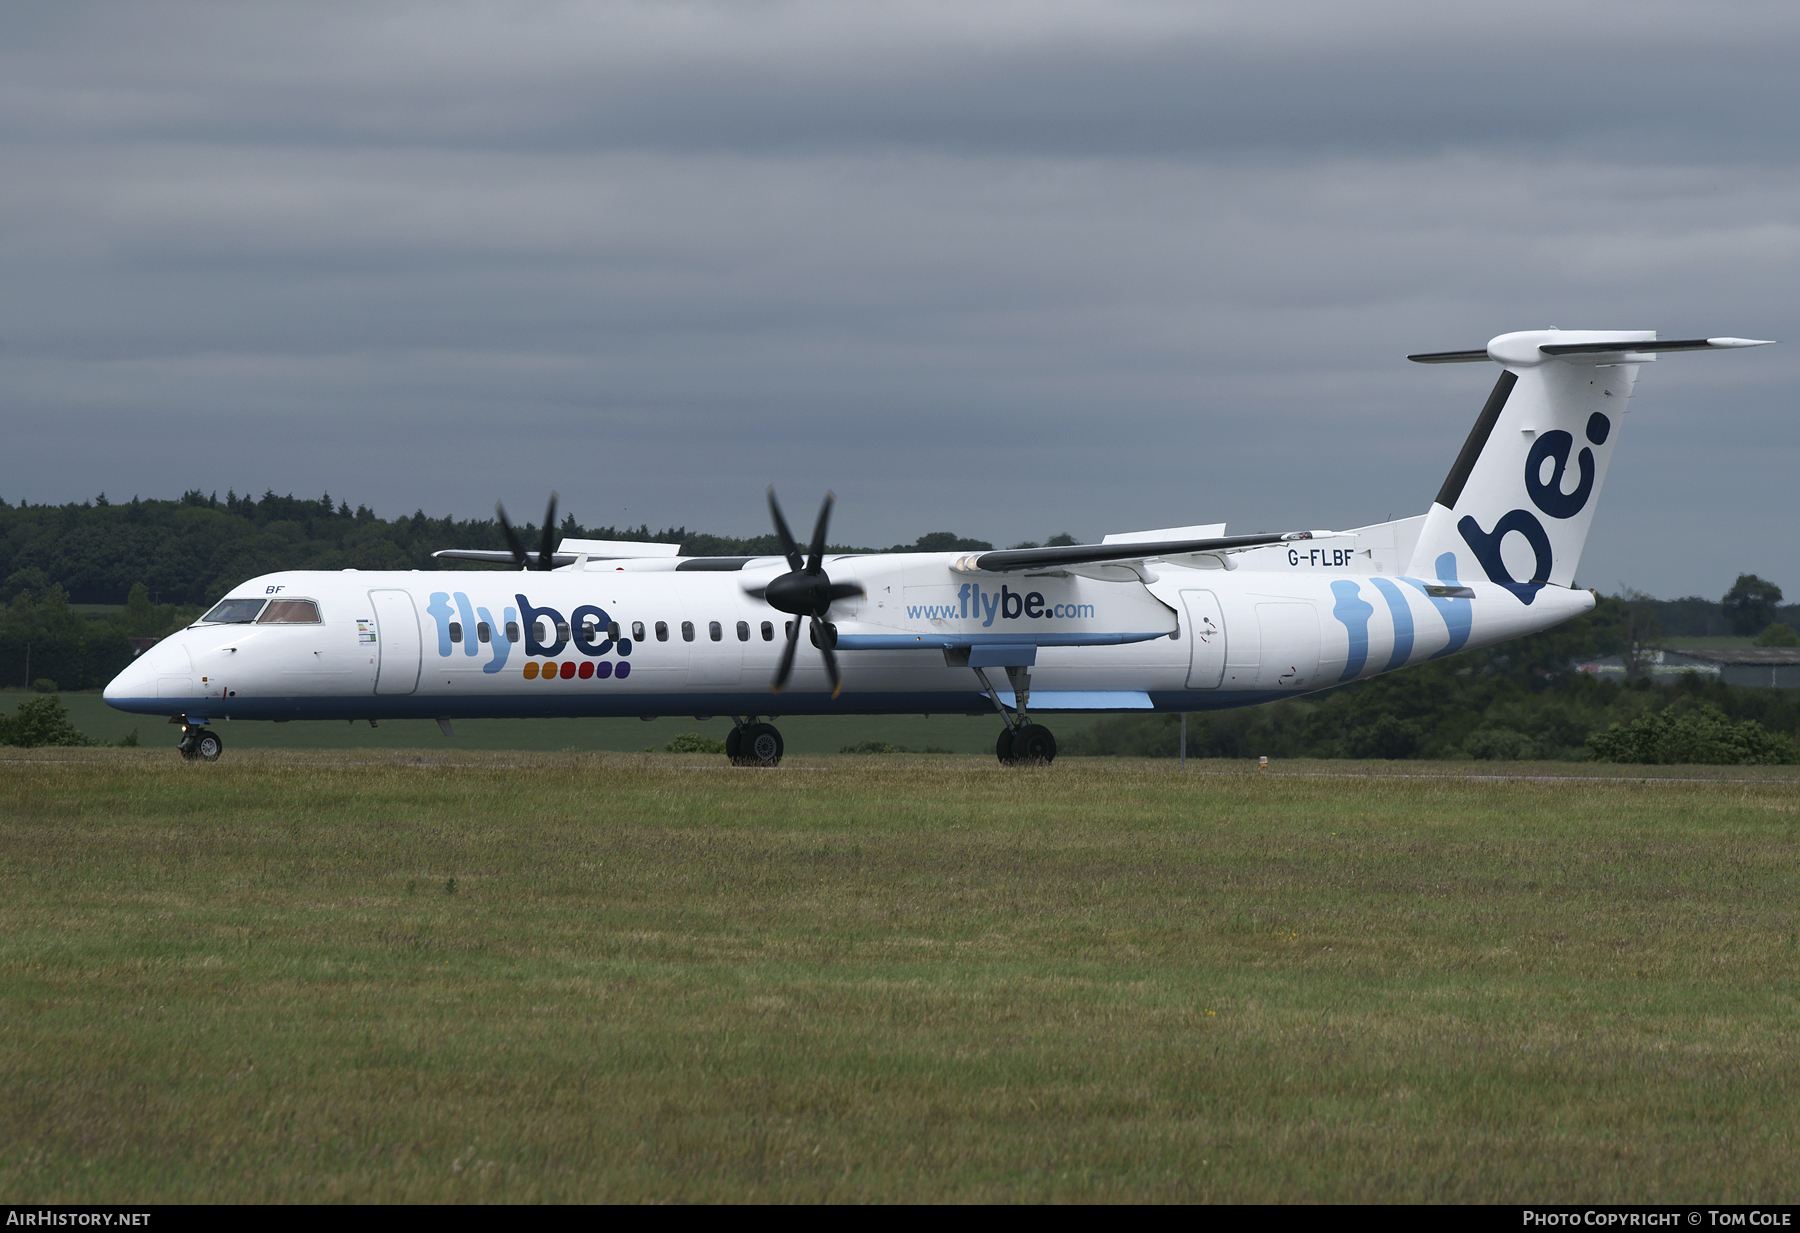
<point x="198" y="741"/>
<point x="1021" y="741"/>
<point x="750" y="743"/>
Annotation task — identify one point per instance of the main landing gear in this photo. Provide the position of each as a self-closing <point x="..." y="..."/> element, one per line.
<point x="750" y="743"/>
<point x="1025" y="743"/>
<point x="199" y="741"/>
<point x="1022" y="741"/>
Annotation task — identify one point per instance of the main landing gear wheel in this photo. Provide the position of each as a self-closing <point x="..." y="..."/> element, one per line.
<point x="756" y="745"/>
<point x="1031" y="743"/>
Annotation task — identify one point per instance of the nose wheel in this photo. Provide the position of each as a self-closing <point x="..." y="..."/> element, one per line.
<point x="202" y="743"/>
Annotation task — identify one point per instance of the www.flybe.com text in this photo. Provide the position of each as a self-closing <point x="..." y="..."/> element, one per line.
<point x="1005" y="604"/>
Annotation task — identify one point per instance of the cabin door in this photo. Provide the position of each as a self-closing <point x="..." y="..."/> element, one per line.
<point x="397" y="642"/>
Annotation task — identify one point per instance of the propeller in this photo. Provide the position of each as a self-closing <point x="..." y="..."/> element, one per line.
<point x="806" y="591"/>
<point x="546" y="554"/>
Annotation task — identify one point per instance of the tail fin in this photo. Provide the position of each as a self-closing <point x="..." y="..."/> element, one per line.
<point x="1517" y="505"/>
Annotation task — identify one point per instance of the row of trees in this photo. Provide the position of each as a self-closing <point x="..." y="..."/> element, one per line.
<point x="45" y="643"/>
<point x="192" y="550"/>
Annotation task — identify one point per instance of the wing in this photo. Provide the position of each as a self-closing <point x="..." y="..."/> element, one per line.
<point x="1013" y="560"/>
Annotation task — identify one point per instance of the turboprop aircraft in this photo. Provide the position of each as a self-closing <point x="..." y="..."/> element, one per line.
<point x="1178" y="619"/>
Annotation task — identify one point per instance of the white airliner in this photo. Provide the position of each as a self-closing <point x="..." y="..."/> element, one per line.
<point x="1178" y="619"/>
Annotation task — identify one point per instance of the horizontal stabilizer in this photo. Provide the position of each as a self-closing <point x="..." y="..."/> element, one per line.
<point x="1673" y="344"/>
<point x="1602" y="347"/>
<point x="1449" y="357"/>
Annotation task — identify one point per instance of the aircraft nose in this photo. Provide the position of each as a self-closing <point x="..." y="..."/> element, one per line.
<point x="138" y="680"/>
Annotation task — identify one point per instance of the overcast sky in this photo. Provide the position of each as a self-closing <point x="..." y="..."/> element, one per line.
<point x="1002" y="269"/>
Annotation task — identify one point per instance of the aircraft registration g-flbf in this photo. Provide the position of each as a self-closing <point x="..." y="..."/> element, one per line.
<point x="1178" y="619"/>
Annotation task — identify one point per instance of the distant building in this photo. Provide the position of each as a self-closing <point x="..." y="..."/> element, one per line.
<point x="1768" y="667"/>
<point x="1764" y="667"/>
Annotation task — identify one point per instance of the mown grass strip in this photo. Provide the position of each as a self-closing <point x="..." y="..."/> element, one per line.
<point x="607" y="977"/>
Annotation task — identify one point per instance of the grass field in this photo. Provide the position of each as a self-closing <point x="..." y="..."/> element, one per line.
<point x="329" y="975"/>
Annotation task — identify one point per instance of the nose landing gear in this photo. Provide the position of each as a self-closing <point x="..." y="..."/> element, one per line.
<point x="198" y="741"/>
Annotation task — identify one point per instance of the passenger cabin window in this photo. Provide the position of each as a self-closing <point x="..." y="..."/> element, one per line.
<point x="687" y="631"/>
<point x="234" y="612"/>
<point x="482" y="632"/>
<point x="612" y="630"/>
<point x="588" y="632"/>
<point x="562" y="631"/>
<point x="662" y="631"/>
<point x="512" y="631"/>
<point x="743" y="631"/>
<point x="713" y="631"/>
<point x="456" y="631"/>
<point x="768" y="632"/>
<point x="637" y="630"/>
<point x="290" y="612"/>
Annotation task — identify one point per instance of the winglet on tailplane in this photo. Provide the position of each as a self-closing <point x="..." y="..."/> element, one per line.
<point x="1517" y="505"/>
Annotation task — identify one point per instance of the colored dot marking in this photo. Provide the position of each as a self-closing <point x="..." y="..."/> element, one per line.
<point x="624" y="671"/>
<point x="603" y="669"/>
<point x="587" y="670"/>
<point x="530" y="671"/>
<point x="568" y="670"/>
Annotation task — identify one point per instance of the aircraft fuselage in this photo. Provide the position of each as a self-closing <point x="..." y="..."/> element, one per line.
<point x="646" y="639"/>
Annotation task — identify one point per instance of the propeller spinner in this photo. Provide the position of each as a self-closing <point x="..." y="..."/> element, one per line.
<point x="806" y="591"/>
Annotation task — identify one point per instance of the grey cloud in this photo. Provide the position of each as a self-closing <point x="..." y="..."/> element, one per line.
<point x="1004" y="270"/>
<point x="1616" y="81"/>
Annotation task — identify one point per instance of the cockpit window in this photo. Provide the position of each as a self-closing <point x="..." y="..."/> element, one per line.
<point x="290" y="612"/>
<point x="234" y="612"/>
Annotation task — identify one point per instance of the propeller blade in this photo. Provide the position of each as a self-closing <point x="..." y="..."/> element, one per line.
<point x="831" y="668"/>
<point x="520" y="557"/>
<point x="789" y="548"/>
<point x="545" y="548"/>
<point x="817" y="553"/>
<point x="787" y="658"/>
<point x="843" y="590"/>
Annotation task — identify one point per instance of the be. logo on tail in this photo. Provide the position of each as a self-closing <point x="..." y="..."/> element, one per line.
<point x="1548" y="496"/>
<point x="1522" y="495"/>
